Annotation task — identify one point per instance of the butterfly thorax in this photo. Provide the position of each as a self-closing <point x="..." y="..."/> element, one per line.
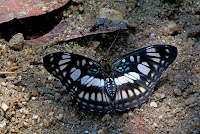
<point x="107" y="69"/>
<point x="108" y="76"/>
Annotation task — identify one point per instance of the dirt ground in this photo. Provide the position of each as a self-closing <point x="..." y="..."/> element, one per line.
<point x="33" y="101"/>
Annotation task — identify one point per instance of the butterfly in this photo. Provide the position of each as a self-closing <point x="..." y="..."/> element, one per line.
<point x="104" y="86"/>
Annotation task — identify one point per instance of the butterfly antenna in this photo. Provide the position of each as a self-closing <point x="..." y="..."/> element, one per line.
<point x="112" y="44"/>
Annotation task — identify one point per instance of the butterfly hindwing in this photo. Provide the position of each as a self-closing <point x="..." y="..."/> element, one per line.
<point x="136" y="74"/>
<point x="82" y="77"/>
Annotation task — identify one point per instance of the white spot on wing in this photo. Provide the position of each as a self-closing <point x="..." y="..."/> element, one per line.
<point x="142" y="89"/>
<point x="143" y="69"/>
<point x="117" y="81"/>
<point x="128" y="79"/>
<point x="88" y="80"/>
<point x="83" y="62"/>
<point x="52" y="66"/>
<point x="124" y="95"/>
<point x="134" y="75"/>
<point x="57" y="70"/>
<point x="73" y="69"/>
<point x="96" y="82"/>
<point x="151" y="50"/>
<point x="137" y="92"/>
<point x="69" y="81"/>
<point x="93" y="96"/>
<point x="130" y="93"/>
<point x="51" y="59"/>
<point x="156" y="60"/>
<point x="154" y="54"/>
<point x="122" y="79"/>
<point x="64" y="73"/>
<point x="101" y="83"/>
<point x="145" y="63"/>
<point x="63" y="67"/>
<point x="99" y="97"/>
<point x="66" y="56"/>
<point x="167" y="50"/>
<point x="90" y="83"/>
<point x="123" y="60"/>
<point x="132" y="59"/>
<point x="119" y="95"/>
<point x="76" y="74"/>
<point x="63" y="61"/>
<point x="86" y="96"/>
<point x="81" y="94"/>
<point x="78" y="63"/>
<point x="83" y="80"/>
<point x="90" y="63"/>
<point x="138" y="59"/>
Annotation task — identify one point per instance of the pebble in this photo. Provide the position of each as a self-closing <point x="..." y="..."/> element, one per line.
<point x="190" y="100"/>
<point x="111" y="14"/>
<point x="35" y="116"/>
<point x="106" y="118"/>
<point x="4" y="106"/>
<point x="177" y="91"/>
<point x="170" y="28"/>
<point x="153" y="104"/>
<point x="59" y="117"/>
<point x="130" y="114"/>
<point x="155" y="125"/>
<point x="1" y="115"/>
<point x="17" y="41"/>
<point x="125" y="116"/>
<point x="46" y="122"/>
<point x="101" y="132"/>
<point x="24" y="111"/>
<point x="77" y="1"/>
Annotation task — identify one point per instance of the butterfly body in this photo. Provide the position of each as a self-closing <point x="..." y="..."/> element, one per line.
<point x="105" y="86"/>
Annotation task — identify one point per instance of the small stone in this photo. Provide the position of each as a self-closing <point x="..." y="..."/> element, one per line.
<point x="190" y="100"/>
<point x="111" y="14"/>
<point x="106" y="118"/>
<point x="17" y="41"/>
<point x="101" y="132"/>
<point x="177" y="91"/>
<point x="197" y="69"/>
<point x="155" y="125"/>
<point x="4" y="106"/>
<point x="51" y="113"/>
<point x="46" y="122"/>
<point x="60" y="116"/>
<point x="170" y="28"/>
<point x="35" y="116"/>
<point x="1" y="115"/>
<point x="77" y="1"/>
<point x="94" y="44"/>
<point x="153" y="104"/>
<point x="125" y="115"/>
<point x="24" y="111"/>
<point x="130" y="114"/>
<point x="25" y="124"/>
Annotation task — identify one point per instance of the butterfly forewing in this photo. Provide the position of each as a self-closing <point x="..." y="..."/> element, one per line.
<point x="137" y="73"/>
<point x="82" y="77"/>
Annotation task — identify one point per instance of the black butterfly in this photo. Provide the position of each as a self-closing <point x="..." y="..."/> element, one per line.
<point x="103" y="87"/>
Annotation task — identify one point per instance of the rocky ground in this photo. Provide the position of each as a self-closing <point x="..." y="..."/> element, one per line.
<point x="33" y="101"/>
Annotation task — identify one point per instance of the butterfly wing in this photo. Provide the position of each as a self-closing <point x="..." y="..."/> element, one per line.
<point x="137" y="73"/>
<point x="82" y="77"/>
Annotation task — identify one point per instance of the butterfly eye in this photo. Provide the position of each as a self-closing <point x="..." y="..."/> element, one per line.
<point x="121" y="85"/>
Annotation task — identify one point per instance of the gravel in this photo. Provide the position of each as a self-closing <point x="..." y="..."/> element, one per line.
<point x="33" y="101"/>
